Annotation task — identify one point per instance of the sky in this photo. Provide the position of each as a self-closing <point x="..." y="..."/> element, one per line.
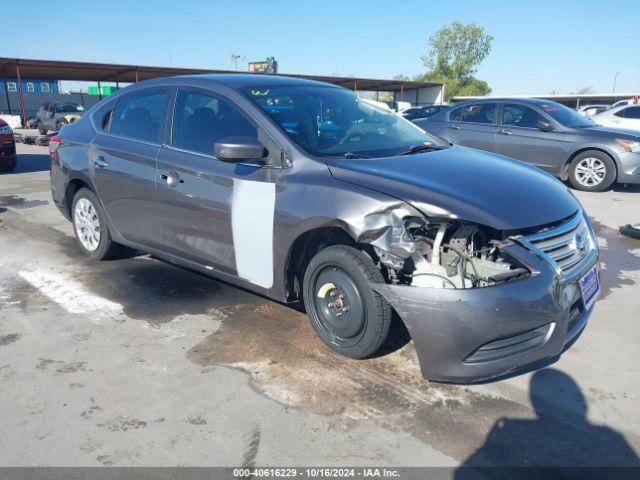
<point x="540" y="46"/>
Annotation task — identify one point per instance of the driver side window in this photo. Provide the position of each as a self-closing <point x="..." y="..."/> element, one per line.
<point x="202" y="119"/>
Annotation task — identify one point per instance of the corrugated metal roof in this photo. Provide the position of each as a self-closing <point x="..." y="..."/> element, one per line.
<point x="84" y="71"/>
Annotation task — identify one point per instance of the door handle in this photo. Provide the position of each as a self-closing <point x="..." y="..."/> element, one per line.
<point x="455" y="127"/>
<point x="505" y="132"/>
<point x="99" y="162"/>
<point x="171" y="178"/>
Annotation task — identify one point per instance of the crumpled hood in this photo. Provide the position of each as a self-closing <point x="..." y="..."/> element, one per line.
<point x="464" y="183"/>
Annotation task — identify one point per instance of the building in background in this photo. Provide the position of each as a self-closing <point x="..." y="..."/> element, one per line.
<point x="10" y="85"/>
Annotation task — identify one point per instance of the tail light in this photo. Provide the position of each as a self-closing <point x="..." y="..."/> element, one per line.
<point x="54" y="143"/>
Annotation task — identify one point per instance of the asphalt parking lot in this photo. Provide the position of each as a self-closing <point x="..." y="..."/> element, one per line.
<point x="134" y="362"/>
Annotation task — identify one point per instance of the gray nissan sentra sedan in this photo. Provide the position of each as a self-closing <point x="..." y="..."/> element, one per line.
<point x="300" y="191"/>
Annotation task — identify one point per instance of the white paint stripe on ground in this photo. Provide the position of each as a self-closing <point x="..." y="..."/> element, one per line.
<point x="69" y="294"/>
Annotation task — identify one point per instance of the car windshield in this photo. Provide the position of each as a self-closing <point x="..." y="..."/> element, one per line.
<point x="566" y="116"/>
<point x="68" y="108"/>
<point x="330" y="122"/>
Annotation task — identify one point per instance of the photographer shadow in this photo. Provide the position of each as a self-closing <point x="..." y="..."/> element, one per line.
<point x="559" y="442"/>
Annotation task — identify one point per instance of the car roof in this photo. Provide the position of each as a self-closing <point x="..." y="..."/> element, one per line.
<point x="249" y="80"/>
<point x="613" y="110"/>
<point x="526" y="101"/>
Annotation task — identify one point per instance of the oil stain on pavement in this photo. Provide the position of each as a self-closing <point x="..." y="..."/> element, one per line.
<point x="285" y="361"/>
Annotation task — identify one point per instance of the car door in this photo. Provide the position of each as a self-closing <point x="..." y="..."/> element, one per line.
<point x="210" y="209"/>
<point x="122" y="162"/>
<point x="628" y="118"/>
<point x="474" y="125"/>
<point x="521" y="137"/>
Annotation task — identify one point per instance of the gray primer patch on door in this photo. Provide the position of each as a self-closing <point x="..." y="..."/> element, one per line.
<point x="252" y="211"/>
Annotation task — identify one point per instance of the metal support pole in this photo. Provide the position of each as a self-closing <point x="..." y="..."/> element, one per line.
<point x="355" y="86"/>
<point x="136" y="76"/>
<point x="401" y="93"/>
<point x="615" y="80"/>
<point x="6" y="92"/>
<point x="24" y="111"/>
<point x="99" y="90"/>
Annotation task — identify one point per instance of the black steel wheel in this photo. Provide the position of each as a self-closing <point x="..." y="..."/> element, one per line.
<point x="346" y="313"/>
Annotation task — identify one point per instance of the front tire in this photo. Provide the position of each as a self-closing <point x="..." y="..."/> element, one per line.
<point x="346" y="313"/>
<point x="592" y="171"/>
<point x="90" y="226"/>
<point x="42" y="129"/>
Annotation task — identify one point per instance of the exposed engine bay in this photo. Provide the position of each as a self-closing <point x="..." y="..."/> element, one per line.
<point x="439" y="253"/>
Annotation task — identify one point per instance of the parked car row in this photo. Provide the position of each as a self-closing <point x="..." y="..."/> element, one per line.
<point x="591" y="110"/>
<point x="624" y="116"/>
<point x="547" y="135"/>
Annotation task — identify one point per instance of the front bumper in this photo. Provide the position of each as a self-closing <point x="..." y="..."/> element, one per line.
<point x="469" y="335"/>
<point x="628" y="167"/>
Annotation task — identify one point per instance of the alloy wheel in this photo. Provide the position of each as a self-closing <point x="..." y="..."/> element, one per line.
<point x="87" y="224"/>
<point x="590" y="172"/>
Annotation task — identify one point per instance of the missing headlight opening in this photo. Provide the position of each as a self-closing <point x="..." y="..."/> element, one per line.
<point x="436" y="253"/>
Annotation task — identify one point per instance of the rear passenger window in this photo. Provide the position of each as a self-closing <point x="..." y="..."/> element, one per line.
<point x="139" y="116"/>
<point x="477" y="113"/>
<point x="201" y="119"/>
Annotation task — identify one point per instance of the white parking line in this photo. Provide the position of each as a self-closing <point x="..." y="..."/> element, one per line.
<point x="69" y="294"/>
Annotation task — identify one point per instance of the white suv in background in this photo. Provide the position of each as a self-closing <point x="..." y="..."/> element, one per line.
<point x="626" y="116"/>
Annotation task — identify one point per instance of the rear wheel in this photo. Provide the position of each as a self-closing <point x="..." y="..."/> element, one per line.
<point x="90" y="227"/>
<point x="346" y="313"/>
<point x="592" y="171"/>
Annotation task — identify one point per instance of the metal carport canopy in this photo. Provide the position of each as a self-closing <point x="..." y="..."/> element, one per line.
<point x="104" y="72"/>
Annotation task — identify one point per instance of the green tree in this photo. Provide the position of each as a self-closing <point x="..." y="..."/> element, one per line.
<point x="456" y="52"/>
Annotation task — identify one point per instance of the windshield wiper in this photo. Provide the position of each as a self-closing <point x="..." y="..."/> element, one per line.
<point x="350" y="155"/>
<point x="420" y="148"/>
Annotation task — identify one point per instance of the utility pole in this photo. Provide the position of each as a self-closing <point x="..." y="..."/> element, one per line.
<point x="615" y="79"/>
<point x="235" y="58"/>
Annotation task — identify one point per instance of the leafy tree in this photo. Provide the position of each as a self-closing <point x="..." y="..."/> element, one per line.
<point x="456" y="52"/>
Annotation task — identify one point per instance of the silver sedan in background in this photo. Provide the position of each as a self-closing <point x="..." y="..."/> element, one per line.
<point x="545" y="134"/>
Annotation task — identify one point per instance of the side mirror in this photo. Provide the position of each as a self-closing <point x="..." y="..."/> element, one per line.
<point x="545" y="126"/>
<point x="52" y="114"/>
<point x="239" y="149"/>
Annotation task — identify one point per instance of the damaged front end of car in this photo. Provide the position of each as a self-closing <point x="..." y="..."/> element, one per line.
<point x="439" y="253"/>
<point x="478" y="302"/>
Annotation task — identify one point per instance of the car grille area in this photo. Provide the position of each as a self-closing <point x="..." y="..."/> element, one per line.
<point x="564" y="246"/>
